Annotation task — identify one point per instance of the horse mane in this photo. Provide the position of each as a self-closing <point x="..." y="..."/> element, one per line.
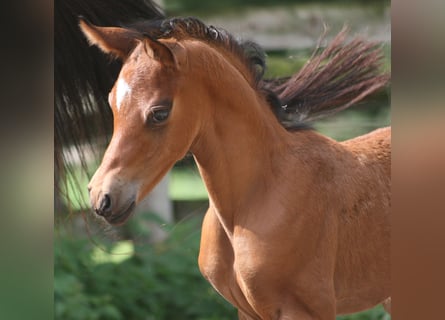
<point x="248" y="52"/>
<point x="333" y="79"/>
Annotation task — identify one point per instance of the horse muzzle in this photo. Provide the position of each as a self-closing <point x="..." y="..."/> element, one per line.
<point x="114" y="201"/>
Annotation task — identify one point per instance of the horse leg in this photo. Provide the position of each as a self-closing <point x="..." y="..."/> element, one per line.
<point x="295" y="312"/>
<point x="291" y="313"/>
<point x="277" y="286"/>
<point x="305" y="311"/>
<point x="276" y="302"/>
<point x="216" y="265"/>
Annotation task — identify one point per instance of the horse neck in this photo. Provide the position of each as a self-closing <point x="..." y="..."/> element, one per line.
<point x="234" y="163"/>
<point x="239" y="144"/>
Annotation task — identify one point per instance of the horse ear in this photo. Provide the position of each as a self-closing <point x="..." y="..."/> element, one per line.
<point x="112" y="40"/>
<point x="159" y="51"/>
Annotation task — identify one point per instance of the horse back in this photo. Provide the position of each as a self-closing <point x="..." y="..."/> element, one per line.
<point x="373" y="149"/>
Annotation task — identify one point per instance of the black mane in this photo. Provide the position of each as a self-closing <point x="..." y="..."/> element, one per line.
<point x="250" y="53"/>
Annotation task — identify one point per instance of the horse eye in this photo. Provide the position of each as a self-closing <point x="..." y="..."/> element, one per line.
<point x="159" y="114"/>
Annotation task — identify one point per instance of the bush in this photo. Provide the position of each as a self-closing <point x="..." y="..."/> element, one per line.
<point x="153" y="283"/>
<point x="160" y="282"/>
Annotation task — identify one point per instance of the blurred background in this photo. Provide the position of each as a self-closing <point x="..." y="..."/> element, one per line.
<point x="148" y="268"/>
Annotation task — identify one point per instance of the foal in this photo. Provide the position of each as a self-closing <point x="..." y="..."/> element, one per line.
<point x="298" y="224"/>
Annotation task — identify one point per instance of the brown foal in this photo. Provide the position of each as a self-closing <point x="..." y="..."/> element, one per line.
<point x="298" y="225"/>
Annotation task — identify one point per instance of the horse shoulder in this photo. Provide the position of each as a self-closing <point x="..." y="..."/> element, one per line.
<point x="277" y="259"/>
<point x="216" y="253"/>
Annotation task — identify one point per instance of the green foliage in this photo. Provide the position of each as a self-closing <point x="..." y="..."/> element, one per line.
<point x="160" y="282"/>
<point x="150" y="283"/>
<point x="74" y="270"/>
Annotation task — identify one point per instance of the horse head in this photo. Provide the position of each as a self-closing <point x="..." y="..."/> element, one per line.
<point x="151" y="129"/>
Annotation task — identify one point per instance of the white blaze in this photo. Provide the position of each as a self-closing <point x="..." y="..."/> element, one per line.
<point x="121" y="91"/>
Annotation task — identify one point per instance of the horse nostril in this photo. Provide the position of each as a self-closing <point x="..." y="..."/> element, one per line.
<point x="106" y="202"/>
<point x="105" y="205"/>
<point x="89" y="189"/>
